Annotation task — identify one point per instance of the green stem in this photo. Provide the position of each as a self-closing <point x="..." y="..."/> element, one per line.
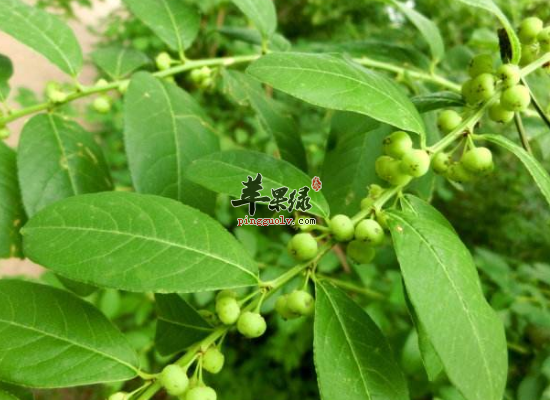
<point x="352" y="287"/>
<point x="379" y="203"/>
<point x="537" y="105"/>
<point x="521" y="132"/>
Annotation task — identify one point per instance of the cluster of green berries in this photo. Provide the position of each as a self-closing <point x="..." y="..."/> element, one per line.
<point x="535" y="39"/>
<point x="55" y="93"/>
<point x="202" y="77"/>
<point x="175" y="381"/>
<point x="249" y="324"/>
<point x="401" y="162"/>
<point x="294" y="305"/>
<point x="474" y="163"/>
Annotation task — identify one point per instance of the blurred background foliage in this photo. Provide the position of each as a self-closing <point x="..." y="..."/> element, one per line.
<point x="504" y="220"/>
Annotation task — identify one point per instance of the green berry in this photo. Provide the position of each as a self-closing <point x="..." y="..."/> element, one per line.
<point x="448" y="121"/>
<point x="174" y="379"/>
<point x="201" y="393"/>
<point x="415" y="163"/>
<point x="360" y="252"/>
<point x="544" y="39"/>
<point x="441" y="163"/>
<point x="369" y="231"/>
<point x="457" y="173"/>
<point x="251" y="324"/>
<point x="483" y="87"/>
<point x="123" y="87"/>
<point x="467" y="91"/>
<point x="281" y="306"/>
<point x="509" y="74"/>
<point x="341" y="227"/>
<point x="101" y="83"/>
<point x="529" y="29"/>
<point x="303" y="246"/>
<point x="226" y="293"/>
<point x="4" y="133"/>
<point x="102" y="104"/>
<point x="228" y="310"/>
<point x="478" y="160"/>
<point x="57" y="96"/>
<point x="367" y="203"/>
<point x="213" y="360"/>
<point x="304" y="227"/>
<point x="119" y="396"/>
<point x="163" y="61"/>
<point x="529" y="53"/>
<point x="517" y="98"/>
<point x="389" y="170"/>
<point x="301" y="302"/>
<point x="375" y="191"/>
<point x="480" y="64"/>
<point x="498" y="114"/>
<point x="397" y="144"/>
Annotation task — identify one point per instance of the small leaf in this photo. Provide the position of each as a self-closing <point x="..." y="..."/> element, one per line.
<point x="539" y="174"/>
<point x="337" y="83"/>
<point x="119" y="62"/>
<point x="224" y="172"/>
<point x="273" y="118"/>
<point x="427" y="29"/>
<point x="352" y="357"/>
<point x="437" y="100"/>
<point x="58" y="159"/>
<point x="51" y="338"/>
<point x="262" y="13"/>
<point x="165" y="130"/>
<point x="179" y="325"/>
<point x="137" y="242"/>
<point x="12" y="216"/>
<point x="43" y="32"/>
<point x="467" y="335"/>
<point x="174" y="21"/>
<point x="6" y="72"/>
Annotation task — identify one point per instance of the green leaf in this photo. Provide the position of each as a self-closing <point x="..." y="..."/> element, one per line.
<point x="338" y="83"/>
<point x="466" y="333"/>
<point x="19" y="392"/>
<point x="179" y="325"/>
<point x="7" y="396"/>
<point x="6" y="72"/>
<point x="12" y="215"/>
<point x="437" y="100"/>
<point x="277" y="42"/>
<point x="224" y="172"/>
<point x="352" y="357"/>
<point x="262" y="13"/>
<point x="51" y="338"/>
<point x="427" y="28"/>
<point x="272" y="116"/>
<point x="43" y="32"/>
<point x="58" y="159"/>
<point x="537" y="171"/>
<point x="119" y="62"/>
<point x="174" y="21"/>
<point x="421" y="208"/>
<point x="354" y="144"/>
<point x="137" y="242"/>
<point x="489" y="5"/>
<point x="165" y="130"/>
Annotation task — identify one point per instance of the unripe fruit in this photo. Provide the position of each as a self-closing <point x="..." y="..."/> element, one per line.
<point x="369" y="231"/>
<point x="57" y="96"/>
<point x="123" y="87"/>
<point x="467" y="91"/>
<point x="529" y="53"/>
<point x="498" y="114"/>
<point x="484" y="87"/>
<point x="226" y="293"/>
<point x="102" y="104"/>
<point x="174" y="379"/>
<point x="228" y="310"/>
<point x="303" y="246"/>
<point x="529" y="29"/>
<point x="397" y="144"/>
<point x="304" y="227"/>
<point x="201" y="393"/>
<point x="544" y="39"/>
<point x="4" y="133"/>
<point x="281" y="306"/>
<point x="119" y="396"/>
<point x="415" y="163"/>
<point x="480" y="64"/>
<point x="213" y="360"/>
<point x="251" y="324"/>
<point x="301" y="302"/>
<point x="382" y="219"/>
<point x="389" y="169"/>
<point x="478" y="160"/>
<point x="360" y="252"/>
<point x="441" y="163"/>
<point x="101" y="83"/>
<point x="448" y="121"/>
<point x="382" y="166"/>
<point x="163" y="61"/>
<point x="510" y="74"/>
<point x="367" y="203"/>
<point x="375" y="191"/>
<point x="517" y="98"/>
<point x="341" y="227"/>
<point x="458" y="173"/>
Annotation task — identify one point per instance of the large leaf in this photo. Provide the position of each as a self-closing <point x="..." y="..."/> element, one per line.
<point x="118" y="62"/>
<point x="6" y="71"/>
<point x="12" y="216"/>
<point x="165" y="130"/>
<point x="224" y="172"/>
<point x="18" y="392"/>
<point x="489" y="5"/>
<point x="537" y="171"/>
<point x="271" y="114"/>
<point x="352" y="357"/>
<point x="179" y="325"/>
<point x="427" y="28"/>
<point x="138" y="243"/>
<point x="58" y="159"/>
<point x="174" y="21"/>
<point x="340" y="84"/>
<point x="262" y="14"/>
<point x="43" y="32"/>
<point x="51" y="338"/>
<point x="444" y="289"/>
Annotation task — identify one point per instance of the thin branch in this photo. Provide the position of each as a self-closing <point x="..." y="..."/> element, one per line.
<point x="537" y="105"/>
<point x="521" y="132"/>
